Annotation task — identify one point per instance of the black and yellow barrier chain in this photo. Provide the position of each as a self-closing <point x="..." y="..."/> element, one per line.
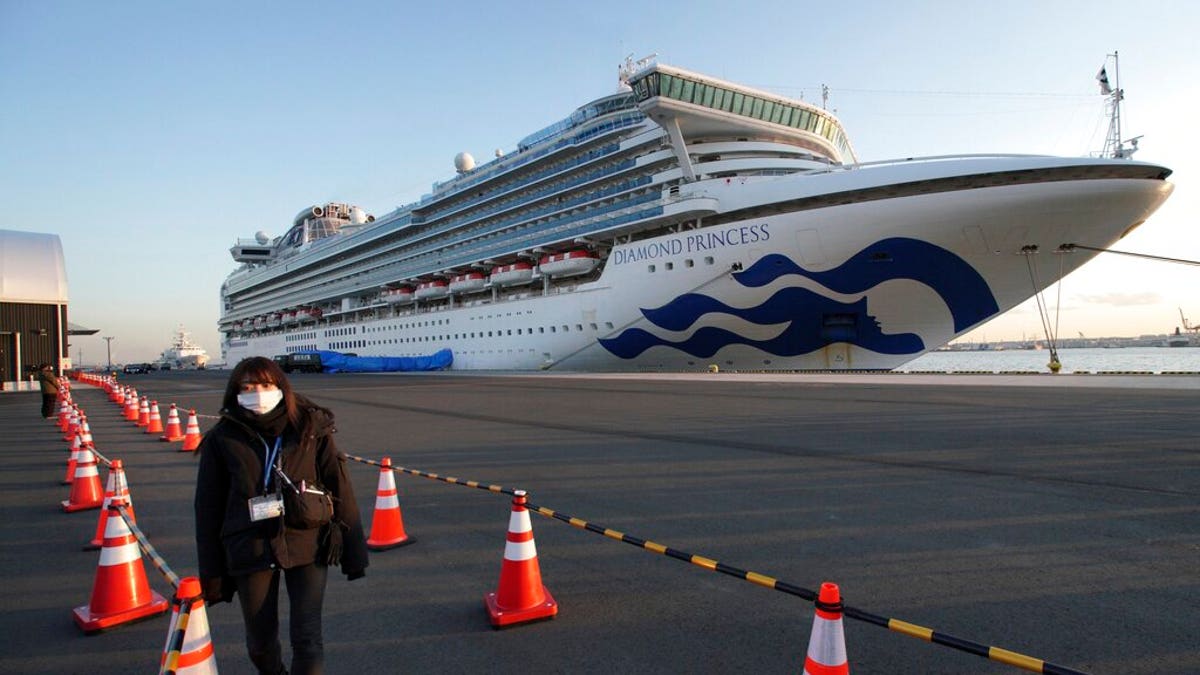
<point x="148" y="549"/>
<point x="183" y="607"/>
<point x="433" y="476"/>
<point x="903" y="627"/>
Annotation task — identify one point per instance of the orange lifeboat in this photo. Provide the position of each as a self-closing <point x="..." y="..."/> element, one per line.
<point x="431" y="290"/>
<point x="398" y="296"/>
<point x="466" y="283"/>
<point x="568" y="264"/>
<point x="512" y="275"/>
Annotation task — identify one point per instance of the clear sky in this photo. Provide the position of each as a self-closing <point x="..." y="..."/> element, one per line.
<point x="151" y="135"/>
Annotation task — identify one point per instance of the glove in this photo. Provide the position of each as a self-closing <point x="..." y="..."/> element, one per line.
<point x="218" y="589"/>
<point x="351" y="575"/>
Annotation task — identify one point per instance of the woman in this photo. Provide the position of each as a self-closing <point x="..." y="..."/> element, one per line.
<point x="271" y="442"/>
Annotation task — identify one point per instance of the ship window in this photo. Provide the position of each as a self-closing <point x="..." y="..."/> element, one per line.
<point x="689" y="263"/>
<point x="552" y="329"/>
<point x="650" y="268"/>
<point x="541" y="329"/>
<point x="707" y="95"/>
<point x="669" y="266"/>
<point x="708" y="260"/>
<point x="510" y="331"/>
<point x="594" y="326"/>
<point x="608" y="325"/>
<point x="687" y="90"/>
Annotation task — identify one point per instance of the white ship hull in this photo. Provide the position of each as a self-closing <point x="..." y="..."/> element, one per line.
<point x="870" y="284"/>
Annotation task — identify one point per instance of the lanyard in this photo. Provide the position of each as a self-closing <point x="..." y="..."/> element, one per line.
<point x="269" y="456"/>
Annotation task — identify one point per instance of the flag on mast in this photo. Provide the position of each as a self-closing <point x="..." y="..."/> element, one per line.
<point x="1102" y="76"/>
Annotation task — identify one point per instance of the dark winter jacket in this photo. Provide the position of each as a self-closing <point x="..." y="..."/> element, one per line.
<point x="48" y="381"/>
<point x="231" y="472"/>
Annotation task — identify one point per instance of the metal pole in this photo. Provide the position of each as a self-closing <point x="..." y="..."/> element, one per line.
<point x="108" y="342"/>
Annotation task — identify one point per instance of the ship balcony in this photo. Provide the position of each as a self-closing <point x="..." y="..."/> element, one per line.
<point x="677" y="203"/>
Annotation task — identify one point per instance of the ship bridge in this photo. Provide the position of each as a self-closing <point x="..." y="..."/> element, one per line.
<point x="688" y="106"/>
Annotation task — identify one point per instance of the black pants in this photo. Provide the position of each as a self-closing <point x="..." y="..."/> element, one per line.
<point x="48" y="400"/>
<point x="259" y="595"/>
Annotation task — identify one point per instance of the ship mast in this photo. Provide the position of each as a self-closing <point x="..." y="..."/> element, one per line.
<point x="1113" y="145"/>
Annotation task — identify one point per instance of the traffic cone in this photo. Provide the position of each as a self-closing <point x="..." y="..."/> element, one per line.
<point x="154" y="425"/>
<point x="189" y="641"/>
<point x="72" y="424"/>
<point x="120" y="593"/>
<point x="86" y="491"/>
<point x="143" y="418"/>
<point x="387" y="525"/>
<point x="85" y="433"/>
<point x="73" y="461"/>
<point x="131" y="405"/>
<point x="827" y="642"/>
<point x="191" y="437"/>
<point x="174" y="429"/>
<point x="520" y="597"/>
<point x="64" y="414"/>
<point x="119" y="399"/>
<point x="117" y="489"/>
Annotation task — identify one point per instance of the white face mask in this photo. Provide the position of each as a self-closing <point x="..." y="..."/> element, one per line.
<point x="260" y="402"/>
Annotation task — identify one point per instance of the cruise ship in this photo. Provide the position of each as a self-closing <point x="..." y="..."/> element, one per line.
<point x="684" y="223"/>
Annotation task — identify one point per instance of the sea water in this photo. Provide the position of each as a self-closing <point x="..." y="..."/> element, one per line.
<point x="1087" y="360"/>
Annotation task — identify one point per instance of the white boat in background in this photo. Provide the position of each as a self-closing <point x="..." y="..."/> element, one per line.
<point x="183" y="354"/>
<point x="682" y="222"/>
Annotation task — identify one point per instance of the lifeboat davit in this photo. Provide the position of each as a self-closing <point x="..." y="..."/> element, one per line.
<point x="512" y="275"/>
<point x="568" y="264"/>
<point x="308" y="314"/>
<point x="260" y="322"/>
<point x="289" y="318"/>
<point x="274" y="320"/>
<point x="430" y="290"/>
<point x="398" y="296"/>
<point x="466" y="283"/>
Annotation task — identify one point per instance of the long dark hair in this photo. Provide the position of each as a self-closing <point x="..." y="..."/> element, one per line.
<point x="261" y="370"/>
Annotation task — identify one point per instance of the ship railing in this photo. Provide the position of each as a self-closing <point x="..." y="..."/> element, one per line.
<point x="934" y="158"/>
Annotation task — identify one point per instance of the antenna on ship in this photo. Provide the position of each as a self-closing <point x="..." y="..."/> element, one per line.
<point x="1113" y="145"/>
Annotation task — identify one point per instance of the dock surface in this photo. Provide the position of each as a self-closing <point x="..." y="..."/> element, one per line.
<point x="1057" y="518"/>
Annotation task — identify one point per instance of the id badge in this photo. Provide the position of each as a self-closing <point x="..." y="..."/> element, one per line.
<point x="266" y="507"/>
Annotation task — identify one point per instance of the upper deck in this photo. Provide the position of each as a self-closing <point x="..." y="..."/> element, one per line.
<point x="706" y="107"/>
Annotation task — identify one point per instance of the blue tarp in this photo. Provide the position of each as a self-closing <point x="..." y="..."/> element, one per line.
<point x="336" y="362"/>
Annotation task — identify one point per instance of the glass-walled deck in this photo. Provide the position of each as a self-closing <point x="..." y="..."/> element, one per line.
<point x="775" y="111"/>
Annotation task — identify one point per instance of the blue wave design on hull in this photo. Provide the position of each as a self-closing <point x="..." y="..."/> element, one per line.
<point x="815" y="321"/>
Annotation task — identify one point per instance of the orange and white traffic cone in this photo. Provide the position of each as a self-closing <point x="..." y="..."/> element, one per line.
<point x="72" y="424"/>
<point x="86" y="491"/>
<point x="174" y="430"/>
<point x="131" y="405"/>
<point x="143" y="417"/>
<point x="118" y="489"/>
<point x="189" y="649"/>
<point x="120" y="593"/>
<point x="85" y="433"/>
<point x="387" y="525"/>
<point x="827" y="642"/>
<point x="73" y="461"/>
<point x="154" y="425"/>
<point x="520" y="597"/>
<point x="191" y="437"/>
<point x="64" y="413"/>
